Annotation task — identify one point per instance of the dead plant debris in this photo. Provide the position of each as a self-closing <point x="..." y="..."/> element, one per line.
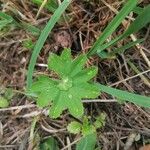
<point x="86" y="20"/>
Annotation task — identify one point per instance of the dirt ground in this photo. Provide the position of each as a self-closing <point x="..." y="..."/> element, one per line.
<point x="127" y="125"/>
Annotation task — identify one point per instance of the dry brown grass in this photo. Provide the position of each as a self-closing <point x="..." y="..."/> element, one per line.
<point x="88" y="19"/>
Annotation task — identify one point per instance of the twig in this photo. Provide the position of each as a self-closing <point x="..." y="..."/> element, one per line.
<point x="74" y="142"/>
<point x="130" y="78"/>
<point x="52" y="130"/>
<point x="99" y="101"/>
<point x="18" y="107"/>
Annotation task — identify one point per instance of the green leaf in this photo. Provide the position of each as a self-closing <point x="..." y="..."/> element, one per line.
<point x="85" y="90"/>
<point x="43" y="36"/>
<point x="142" y="20"/>
<point x="59" y="104"/>
<point x="66" y="55"/>
<point x="45" y="89"/>
<point x="74" y="127"/>
<point x="9" y="93"/>
<point x="119" y="50"/>
<point x="55" y="63"/>
<point x="87" y="127"/>
<point x="138" y="10"/>
<point x="85" y="75"/>
<point x="113" y="25"/>
<point x="5" y="20"/>
<point x="123" y="95"/>
<point x="66" y="60"/>
<point x="78" y="64"/>
<point x="6" y="17"/>
<point x="51" y="4"/>
<point x="43" y="84"/>
<point x="44" y="99"/>
<point x="65" y="93"/>
<point x="3" y="102"/>
<point x="49" y="144"/>
<point x="3" y="23"/>
<point x="87" y="142"/>
<point x="75" y="106"/>
<point x="28" y="44"/>
<point x="100" y="121"/>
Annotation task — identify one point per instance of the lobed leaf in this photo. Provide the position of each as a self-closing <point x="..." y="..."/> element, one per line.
<point x="78" y="64"/>
<point x="45" y="89"/>
<point x="85" y="75"/>
<point x="3" y="102"/>
<point x="75" y="106"/>
<point x="66" y="55"/>
<point x="43" y="84"/>
<point x="56" y="64"/>
<point x="85" y="90"/>
<point x="67" y="92"/>
<point x="74" y="127"/>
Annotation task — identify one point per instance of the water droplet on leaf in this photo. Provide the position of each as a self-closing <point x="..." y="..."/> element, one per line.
<point x="70" y="96"/>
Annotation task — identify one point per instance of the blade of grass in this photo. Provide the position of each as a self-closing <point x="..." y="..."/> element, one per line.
<point x="30" y="28"/>
<point x="43" y="36"/>
<point x="113" y="25"/>
<point x="6" y="17"/>
<point x="123" y="95"/>
<point x="119" y="50"/>
<point x="138" y="10"/>
<point x="142" y="20"/>
<point x="51" y="4"/>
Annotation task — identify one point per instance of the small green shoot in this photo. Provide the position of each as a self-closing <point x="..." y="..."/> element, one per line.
<point x="88" y="130"/>
<point x="74" y="127"/>
<point x="51" y="5"/>
<point x="5" y="97"/>
<point x="87" y="127"/>
<point x="8" y="94"/>
<point x="6" y="23"/>
<point x="72" y="86"/>
<point x="28" y="44"/>
<point x="3" y="102"/>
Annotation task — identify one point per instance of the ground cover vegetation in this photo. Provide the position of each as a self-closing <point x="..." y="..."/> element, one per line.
<point x="74" y="74"/>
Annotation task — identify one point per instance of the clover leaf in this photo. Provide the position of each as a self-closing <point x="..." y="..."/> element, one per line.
<point x="72" y="85"/>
